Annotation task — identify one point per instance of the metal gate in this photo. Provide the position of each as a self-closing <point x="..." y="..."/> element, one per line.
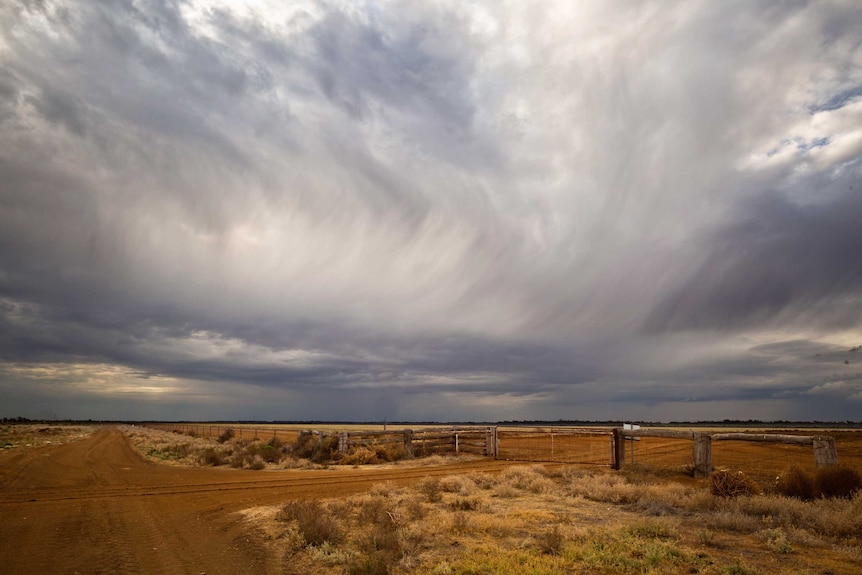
<point x="555" y="444"/>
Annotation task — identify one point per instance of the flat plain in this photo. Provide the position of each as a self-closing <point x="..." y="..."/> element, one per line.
<point x="86" y="500"/>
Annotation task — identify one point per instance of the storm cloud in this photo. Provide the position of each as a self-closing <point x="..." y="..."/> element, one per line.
<point x="449" y="211"/>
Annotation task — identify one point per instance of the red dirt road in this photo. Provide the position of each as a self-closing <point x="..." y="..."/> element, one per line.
<point x="97" y="506"/>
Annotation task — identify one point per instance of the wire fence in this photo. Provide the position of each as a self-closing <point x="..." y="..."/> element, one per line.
<point x="558" y="445"/>
<point x="658" y="452"/>
<point x="239" y="431"/>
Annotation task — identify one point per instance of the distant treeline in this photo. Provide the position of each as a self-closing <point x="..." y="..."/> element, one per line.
<point x="513" y="423"/>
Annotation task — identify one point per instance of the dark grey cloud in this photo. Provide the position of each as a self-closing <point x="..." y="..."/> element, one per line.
<point x="448" y="211"/>
<point x="778" y="261"/>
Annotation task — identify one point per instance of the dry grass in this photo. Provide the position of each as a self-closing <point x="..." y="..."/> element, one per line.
<point x="529" y="519"/>
<point x="175" y="448"/>
<point x="796" y="482"/>
<point x="837" y="481"/>
<point x="231" y="448"/>
<point x="15" y="435"/>
<point x="727" y="483"/>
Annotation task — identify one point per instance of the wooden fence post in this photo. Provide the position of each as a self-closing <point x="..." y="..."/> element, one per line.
<point x="408" y="442"/>
<point x="491" y="442"/>
<point x="825" y="453"/>
<point x="619" y="447"/>
<point x="343" y="442"/>
<point x="702" y="454"/>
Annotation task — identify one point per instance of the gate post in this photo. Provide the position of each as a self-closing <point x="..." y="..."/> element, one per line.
<point x="343" y="442"/>
<point x="825" y="453"/>
<point x="408" y="442"/>
<point x="491" y="447"/>
<point x="702" y="454"/>
<point x="618" y="444"/>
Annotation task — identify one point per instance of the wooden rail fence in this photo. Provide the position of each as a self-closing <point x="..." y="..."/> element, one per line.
<point x="417" y="442"/>
<point x="825" y="453"/>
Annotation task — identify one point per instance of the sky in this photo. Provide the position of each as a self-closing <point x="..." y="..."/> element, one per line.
<point x="351" y="210"/>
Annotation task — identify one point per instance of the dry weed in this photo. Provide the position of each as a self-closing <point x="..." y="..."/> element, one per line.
<point x="795" y="482"/>
<point x="459" y="484"/>
<point x="727" y="483"/>
<point x="316" y="525"/>
<point x="837" y="481"/>
<point x="528" y="478"/>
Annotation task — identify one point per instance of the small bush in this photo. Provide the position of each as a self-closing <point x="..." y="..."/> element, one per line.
<point x="459" y="484"/>
<point x="837" y="481"/>
<point x="360" y="456"/>
<point x="212" y="456"/>
<point x="383" y="540"/>
<point x="315" y="524"/>
<point x="460" y="523"/>
<point x="796" y="482"/>
<point x="226" y="435"/>
<point x="317" y="447"/>
<point x="430" y="487"/>
<point x="375" y="512"/>
<point x="257" y="463"/>
<point x="370" y="564"/>
<point x="465" y="504"/>
<point x="725" y="483"/>
<point x="272" y="451"/>
<point x="551" y="542"/>
<point x="776" y="539"/>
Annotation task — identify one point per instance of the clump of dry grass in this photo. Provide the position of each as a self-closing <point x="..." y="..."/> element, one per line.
<point x="527" y="478"/>
<point x="313" y="521"/>
<point x="226" y="435"/>
<point x="212" y="456"/>
<point x="727" y="483"/>
<point x="431" y="488"/>
<point x="795" y="482"/>
<point x="837" y="481"/>
<point x="460" y="484"/>
<point x="373" y="453"/>
<point x="550" y="542"/>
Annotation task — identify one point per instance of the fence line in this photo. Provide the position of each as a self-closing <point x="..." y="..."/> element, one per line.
<point x="825" y="453"/>
<point x="426" y="441"/>
<point x="603" y="446"/>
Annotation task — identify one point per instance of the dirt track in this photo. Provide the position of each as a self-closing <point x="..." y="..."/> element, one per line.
<point x="96" y="506"/>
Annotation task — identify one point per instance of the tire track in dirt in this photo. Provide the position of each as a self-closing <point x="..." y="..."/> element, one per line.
<point x="315" y="483"/>
<point x="96" y="506"/>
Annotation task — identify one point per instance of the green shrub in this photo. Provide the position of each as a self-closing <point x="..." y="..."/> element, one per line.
<point x="776" y="539"/>
<point x="837" y="481"/>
